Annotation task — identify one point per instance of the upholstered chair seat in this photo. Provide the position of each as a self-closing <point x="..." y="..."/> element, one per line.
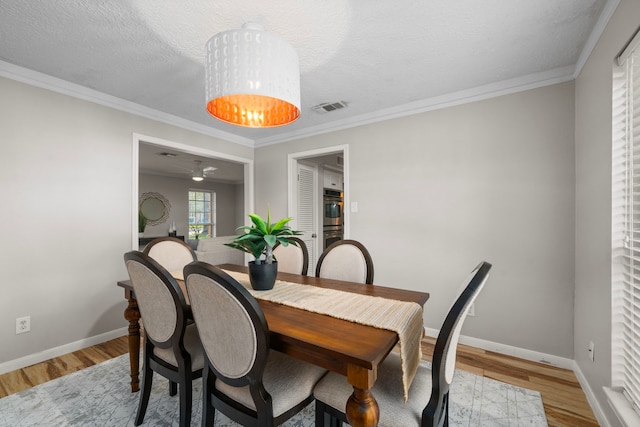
<point x="191" y="344"/>
<point x="286" y="390"/>
<point x="243" y="378"/>
<point x="172" y="345"/>
<point x="334" y="391"/>
<point x="428" y="400"/>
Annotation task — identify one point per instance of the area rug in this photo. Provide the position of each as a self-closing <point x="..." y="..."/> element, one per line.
<point x="100" y="396"/>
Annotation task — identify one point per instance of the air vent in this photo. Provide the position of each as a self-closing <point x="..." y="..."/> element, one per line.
<point x="340" y="161"/>
<point x="329" y="106"/>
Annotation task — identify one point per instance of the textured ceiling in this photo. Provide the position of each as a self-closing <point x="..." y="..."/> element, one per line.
<point x="154" y="161"/>
<point x="383" y="58"/>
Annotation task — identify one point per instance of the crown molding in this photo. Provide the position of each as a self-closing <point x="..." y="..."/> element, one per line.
<point x="606" y="14"/>
<point x="506" y="87"/>
<point x="54" y="84"/>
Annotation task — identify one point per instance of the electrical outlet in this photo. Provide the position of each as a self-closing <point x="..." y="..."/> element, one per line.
<point x="592" y="351"/>
<point x="23" y="324"/>
<point x="472" y="310"/>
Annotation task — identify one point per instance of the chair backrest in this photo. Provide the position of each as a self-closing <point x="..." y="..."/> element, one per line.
<point x="160" y="300"/>
<point x="170" y="252"/>
<point x="346" y="260"/>
<point x="232" y="327"/>
<point x="444" y="353"/>
<point x="293" y="258"/>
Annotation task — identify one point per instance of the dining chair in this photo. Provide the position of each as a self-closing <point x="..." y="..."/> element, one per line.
<point x="242" y="378"/>
<point x="293" y="258"/>
<point x="428" y="403"/>
<point x="346" y="260"/>
<point x="171" y="345"/>
<point x="170" y="252"/>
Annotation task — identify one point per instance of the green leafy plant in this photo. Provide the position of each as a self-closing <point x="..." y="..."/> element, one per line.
<point x="260" y="238"/>
<point x="142" y="222"/>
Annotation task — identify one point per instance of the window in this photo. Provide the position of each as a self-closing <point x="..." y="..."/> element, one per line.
<point x="624" y="395"/>
<point x="202" y="214"/>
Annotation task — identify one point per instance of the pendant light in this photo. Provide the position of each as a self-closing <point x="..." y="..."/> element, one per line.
<point x="252" y="78"/>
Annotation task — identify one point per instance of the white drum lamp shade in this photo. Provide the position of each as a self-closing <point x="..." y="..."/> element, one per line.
<point x="252" y="78"/>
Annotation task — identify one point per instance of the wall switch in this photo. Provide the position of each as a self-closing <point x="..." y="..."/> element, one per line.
<point x="472" y="310"/>
<point x="592" y="351"/>
<point x="23" y="324"/>
<point x="354" y="207"/>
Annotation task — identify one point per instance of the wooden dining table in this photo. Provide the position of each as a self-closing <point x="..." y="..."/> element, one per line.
<point x="348" y="348"/>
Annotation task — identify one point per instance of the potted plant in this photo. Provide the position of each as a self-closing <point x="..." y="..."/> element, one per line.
<point x="142" y="223"/>
<point x="259" y="240"/>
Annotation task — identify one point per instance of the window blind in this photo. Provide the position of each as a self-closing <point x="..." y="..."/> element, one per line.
<point x="626" y="224"/>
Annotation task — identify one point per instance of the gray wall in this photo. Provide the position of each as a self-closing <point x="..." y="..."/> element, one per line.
<point x="66" y="185"/>
<point x="229" y="198"/>
<point x="437" y="192"/>
<point x="440" y="191"/>
<point x="593" y="202"/>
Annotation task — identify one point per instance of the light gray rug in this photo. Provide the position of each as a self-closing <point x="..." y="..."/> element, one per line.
<point x="100" y="396"/>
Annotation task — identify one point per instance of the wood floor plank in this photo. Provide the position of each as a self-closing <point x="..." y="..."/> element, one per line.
<point x="564" y="400"/>
<point x="559" y="417"/>
<point x="90" y="356"/>
<point x="30" y="376"/>
<point x="565" y="403"/>
<point x="14" y="381"/>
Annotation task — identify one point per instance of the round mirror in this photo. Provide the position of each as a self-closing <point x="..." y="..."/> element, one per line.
<point x="154" y="207"/>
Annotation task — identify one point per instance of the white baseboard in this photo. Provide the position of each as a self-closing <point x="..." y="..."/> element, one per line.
<point x="522" y="353"/>
<point x="591" y="397"/>
<point x="560" y="362"/>
<point x="32" y="359"/>
<point x="535" y="356"/>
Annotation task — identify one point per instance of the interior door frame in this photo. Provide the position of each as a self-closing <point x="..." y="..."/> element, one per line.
<point x="292" y="168"/>
<point x="135" y="155"/>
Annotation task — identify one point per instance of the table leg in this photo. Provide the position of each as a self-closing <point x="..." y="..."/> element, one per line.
<point x="362" y="408"/>
<point x="132" y="314"/>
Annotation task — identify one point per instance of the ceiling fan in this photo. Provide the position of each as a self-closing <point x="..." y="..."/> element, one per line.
<point x="199" y="173"/>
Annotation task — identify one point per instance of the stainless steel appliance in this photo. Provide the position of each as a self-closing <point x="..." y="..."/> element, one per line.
<point x="332" y="208"/>
<point x="333" y="217"/>
<point x="330" y="235"/>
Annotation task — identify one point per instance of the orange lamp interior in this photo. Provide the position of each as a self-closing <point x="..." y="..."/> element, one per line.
<point x="253" y="110"/>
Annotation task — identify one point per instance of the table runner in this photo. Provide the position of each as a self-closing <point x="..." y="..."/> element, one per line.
<point x="402" y="317"/>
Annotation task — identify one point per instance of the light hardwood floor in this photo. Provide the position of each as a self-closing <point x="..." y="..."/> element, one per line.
<point x="564" y="401"/>
<point x="565" y="404"/>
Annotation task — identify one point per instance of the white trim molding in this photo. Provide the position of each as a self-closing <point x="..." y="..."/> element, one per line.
<point x="41" y="356"/>
<point x="522" y="353"/>
<point x="249" y="173"/>
<point x="560" y="362"/>
<point x="622" y="408"/>
<point x="591" y="397"/>
<point x="595" y="35"/>
<point x="44" y="81"/>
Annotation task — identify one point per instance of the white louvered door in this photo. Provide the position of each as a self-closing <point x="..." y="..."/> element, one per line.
<point x="307" y="211"/>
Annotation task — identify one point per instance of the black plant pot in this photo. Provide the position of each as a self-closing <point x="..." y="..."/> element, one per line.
<point x="262" y="276"/>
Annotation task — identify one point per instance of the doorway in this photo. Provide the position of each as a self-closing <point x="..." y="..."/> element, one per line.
<point x="296" y="204"/>
<point x="137" y="140"/>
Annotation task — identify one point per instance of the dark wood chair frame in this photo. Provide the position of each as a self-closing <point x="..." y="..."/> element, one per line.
<point x="212" y="398"/>
<point x="181" y="376"/>
<point x="154" y="242"/>
<point x="305" y="253"/>
<point x="365" y="253"/>
<point x="436" y="413"/>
